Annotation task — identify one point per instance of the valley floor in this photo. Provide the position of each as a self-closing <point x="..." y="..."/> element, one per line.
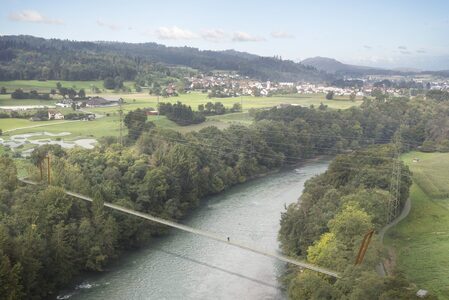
<point x="109" y="123"/>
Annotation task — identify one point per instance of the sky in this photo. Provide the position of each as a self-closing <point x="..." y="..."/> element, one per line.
<point x="390" y="34"/>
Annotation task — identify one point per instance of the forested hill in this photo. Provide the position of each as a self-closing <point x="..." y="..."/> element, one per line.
<point x="28" y="57"/>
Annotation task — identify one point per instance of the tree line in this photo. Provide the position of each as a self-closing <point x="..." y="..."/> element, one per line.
<point x="183" y="114"/>
<point x="27" y="57"/>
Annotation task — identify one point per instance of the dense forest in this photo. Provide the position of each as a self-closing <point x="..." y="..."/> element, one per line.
<point x="27" y="57"/>
<point x="47" y="238"/>
<point x="327" y="225"/>
<point x="183" y="115"/>
<point x="180" y="113"/>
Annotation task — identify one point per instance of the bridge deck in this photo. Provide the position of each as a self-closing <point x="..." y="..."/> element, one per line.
<point x="203" y="233"/>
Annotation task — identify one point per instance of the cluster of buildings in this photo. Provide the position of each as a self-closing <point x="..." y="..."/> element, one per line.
<point x="236" y="85"/>
<point x="89" y="102"/>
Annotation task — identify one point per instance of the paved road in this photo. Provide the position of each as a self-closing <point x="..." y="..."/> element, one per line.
<point x="203" y="233"/>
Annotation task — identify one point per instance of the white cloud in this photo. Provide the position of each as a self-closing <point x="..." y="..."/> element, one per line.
<point x="110" y="26"/>
<point x="241" y="36"/>
<point x="33" y="17"/>
<point x="214" y="35"/>
<point x="282" y="35"/>
<point x="174" y="33"/>
<point x="402" y="48"/>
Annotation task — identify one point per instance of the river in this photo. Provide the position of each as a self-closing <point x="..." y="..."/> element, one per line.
<point x="181" y="265"/>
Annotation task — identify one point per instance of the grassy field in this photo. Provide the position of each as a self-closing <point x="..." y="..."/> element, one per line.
<point x="46" y="86"/>
<point x="5" y="100"/>
<point x="109" y="125"/>
<point x="431" y="173"/>
<point x="421" y="241"/>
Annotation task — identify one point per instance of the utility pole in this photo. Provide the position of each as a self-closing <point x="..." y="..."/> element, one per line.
<point x="120" y="111"/>
<point x="48" y="170"/>
<point x="395" y="184"/>
<point x="40" y="168"/>
<point x="157" y="118"/>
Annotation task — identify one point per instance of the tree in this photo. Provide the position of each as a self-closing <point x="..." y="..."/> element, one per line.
<point x="308" y="285"/>
<point x="236" y="107"/>
<point x="109" y="83"/>
<point x="8" y="174"/>
<point x="350" y="224"/>
<point x="209" y="107"/>
<point x="352" y="97"/>
<point x="118" y="82"/>
<point x="330" y="95"/>
<point x="41" y="115"/>
<point x="256" y="92"/>
<point x="219" y="108"/>
<point x="3" y="90"/>
<point x="71" y="93"/>
<point x="153" y="191"/>
<point x="39" y="153"/>
<point x="82" y="93"/>
<point x="10" y="286"/>
<point x="136" y="122"/>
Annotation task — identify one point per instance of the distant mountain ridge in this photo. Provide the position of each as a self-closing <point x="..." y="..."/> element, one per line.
<point x="339" y="69"/>
<point x="334" y="66"/>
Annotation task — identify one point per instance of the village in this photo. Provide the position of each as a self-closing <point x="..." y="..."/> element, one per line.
<point x="234" y="85"/>
<point x="228" y="85"/>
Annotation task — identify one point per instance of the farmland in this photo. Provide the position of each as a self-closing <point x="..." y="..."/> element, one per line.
<point x="109" y="125"/>
<point x="421" y="241"/>
<point x="47" y="85"/>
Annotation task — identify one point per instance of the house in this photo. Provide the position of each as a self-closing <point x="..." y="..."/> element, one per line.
<point x="89" y="117"/>
<point x="65" y="103"/>
<point x="55" y="115"/>
<point x="152" y="112"/>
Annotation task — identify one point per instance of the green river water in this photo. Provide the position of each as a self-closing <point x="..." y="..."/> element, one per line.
<point x="181" y="265"/>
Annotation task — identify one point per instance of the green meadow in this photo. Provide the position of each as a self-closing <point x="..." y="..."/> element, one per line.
<point x="47" y="85"/>
<point x="421" y="241"/>
<point x="109" y="125"/>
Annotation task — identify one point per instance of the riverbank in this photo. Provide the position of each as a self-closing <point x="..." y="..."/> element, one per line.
<point x="202" y="268"/>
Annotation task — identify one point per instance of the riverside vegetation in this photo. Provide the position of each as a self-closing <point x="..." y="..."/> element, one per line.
<point x="47" y="238"/>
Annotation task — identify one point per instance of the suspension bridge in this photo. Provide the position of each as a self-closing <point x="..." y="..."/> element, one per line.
<point x="203" y="233"/>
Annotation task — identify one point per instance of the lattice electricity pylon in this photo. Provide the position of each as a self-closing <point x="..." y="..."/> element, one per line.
<point x="395" y="185"/>
<point x="120" y="112"/>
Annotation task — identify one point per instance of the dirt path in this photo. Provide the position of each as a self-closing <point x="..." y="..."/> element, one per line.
<point x="405" y="211"/>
